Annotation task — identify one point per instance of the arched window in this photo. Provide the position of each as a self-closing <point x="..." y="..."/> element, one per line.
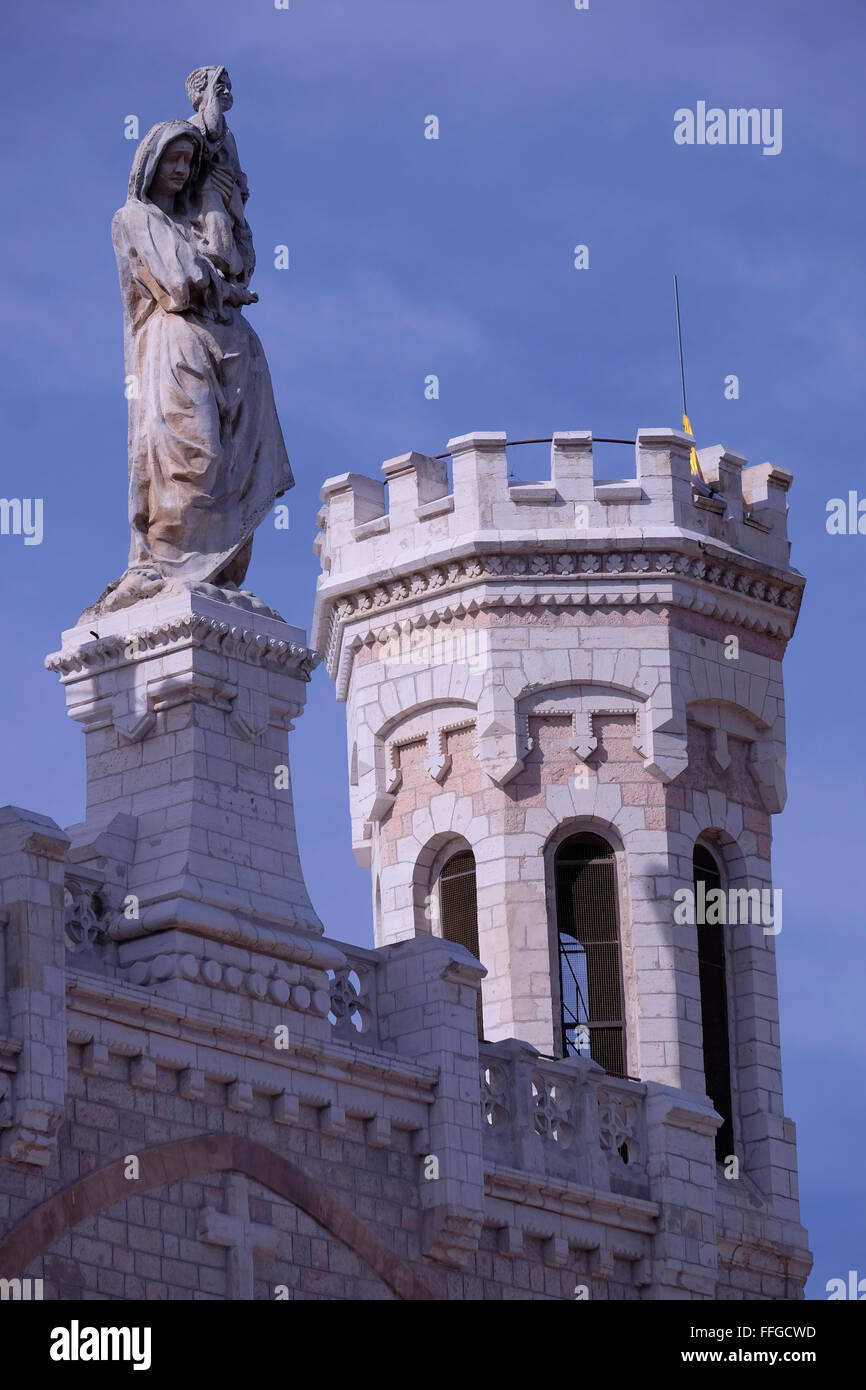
<point x="714" y="1003"/>
<point x="458" y="908"/>
<point x="590" y="973"/>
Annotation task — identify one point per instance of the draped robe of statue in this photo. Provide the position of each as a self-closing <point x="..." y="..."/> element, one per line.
<point x="206" y="452"/>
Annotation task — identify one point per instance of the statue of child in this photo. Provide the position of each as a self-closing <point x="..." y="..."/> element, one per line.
<point x="221" y="223"/>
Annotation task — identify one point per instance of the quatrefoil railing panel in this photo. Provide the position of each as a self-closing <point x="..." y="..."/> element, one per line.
<point x="621" y="1131"/>
<point x="352" y="991"/>
<point x="89" y="914"/>
<point x="532" y="1111"/>
<point x="494" y="1096"/>
<point x="552" y="1105"/>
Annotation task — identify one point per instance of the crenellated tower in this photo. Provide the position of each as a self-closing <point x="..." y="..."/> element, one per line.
<point x="566" y="735"/>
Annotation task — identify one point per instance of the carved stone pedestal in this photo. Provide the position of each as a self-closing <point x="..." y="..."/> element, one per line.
<point x="185" y="704"/>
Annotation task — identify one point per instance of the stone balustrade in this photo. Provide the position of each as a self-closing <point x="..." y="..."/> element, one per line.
<point x="567" y="1119"/>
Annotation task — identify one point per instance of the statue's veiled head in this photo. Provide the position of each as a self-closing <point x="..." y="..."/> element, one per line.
<point x="167" y="162"/>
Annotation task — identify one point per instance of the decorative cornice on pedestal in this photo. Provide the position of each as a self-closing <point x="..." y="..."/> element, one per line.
<point x="177" y="634"/>
<point x="133" y="714"/>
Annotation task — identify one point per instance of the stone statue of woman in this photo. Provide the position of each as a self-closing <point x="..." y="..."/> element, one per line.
<point x="206" y="453"/>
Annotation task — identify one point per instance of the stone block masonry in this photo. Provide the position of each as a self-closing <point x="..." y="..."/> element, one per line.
<point x="204" y="1096"/>
<point x="522" y="662"/>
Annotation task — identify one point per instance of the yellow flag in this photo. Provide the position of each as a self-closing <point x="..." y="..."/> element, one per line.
<point x="693" y="458"/>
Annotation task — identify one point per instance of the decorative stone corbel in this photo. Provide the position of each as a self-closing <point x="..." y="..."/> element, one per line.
<point x="259" y="712"/>
<point x="395" y="774"/>
<point x="190" y="687"/>
<point x="437" y="764"/>
<point x="380" y="807"/>
<point x="601" y="1264"/>
<point x="721" y="752"/>
<point x="509" y="1242"/>
<point x="252" y="721"/>
<point x="133" y="712"/>
<point x="768" y="766"/>
<point x="640" y="725"/>
<point x="132" y="716"/>
<point x="583" y="742"/>
<point x="496" y="750"/>
<point x="665" y="737"/>
<point x="497" y="745"/>
<point x="450" y="1236"/>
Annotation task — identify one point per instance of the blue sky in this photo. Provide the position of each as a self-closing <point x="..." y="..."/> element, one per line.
<point x="454" y="257"/>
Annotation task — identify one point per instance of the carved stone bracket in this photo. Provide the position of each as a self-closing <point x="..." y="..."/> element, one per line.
<point x="437" y="761"/>
<point x="136" y="723"/>
<point x="581" y="708"/>
<point x="450" y="1236"/>
<point x="721" y="752"/>
<point x="253" y="720"/>
<point x="583" y="742"/>
<point x="437" y="764"/>
<point x="768" y="765"/>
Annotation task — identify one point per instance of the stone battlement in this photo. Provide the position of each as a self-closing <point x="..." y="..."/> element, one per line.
<point x="652" y="539"/>
<point x="363" y="531"/>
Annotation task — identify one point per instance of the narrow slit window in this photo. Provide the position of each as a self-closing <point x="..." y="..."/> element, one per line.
<point x="458" y="908"/>
<point x="714" y="1005"/>
<point x="590" y="972"/>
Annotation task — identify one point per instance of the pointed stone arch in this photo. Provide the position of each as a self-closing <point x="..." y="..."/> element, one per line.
<point x="198" y="1157"/>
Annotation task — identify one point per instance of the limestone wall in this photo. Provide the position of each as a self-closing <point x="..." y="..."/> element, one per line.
<point x="194" y="1159"/>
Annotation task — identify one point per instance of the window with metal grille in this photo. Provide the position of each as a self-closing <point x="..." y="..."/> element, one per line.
<point x="590" y="973"/>
<point x="714" y="1005"/>
<point x="458" y="908"/>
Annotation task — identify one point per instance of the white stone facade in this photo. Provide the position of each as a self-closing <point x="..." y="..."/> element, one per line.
<point x="315" y="1119"/>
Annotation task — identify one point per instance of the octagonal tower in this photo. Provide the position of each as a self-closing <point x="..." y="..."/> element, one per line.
<point x="566" y="733"/>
